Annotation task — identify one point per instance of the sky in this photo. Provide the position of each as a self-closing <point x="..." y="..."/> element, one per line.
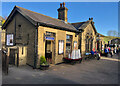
<point x="105" y="14"/>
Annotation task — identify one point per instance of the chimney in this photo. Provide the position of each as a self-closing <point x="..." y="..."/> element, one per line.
<point x="62" y="12"/>
<point x="90" y="18"/>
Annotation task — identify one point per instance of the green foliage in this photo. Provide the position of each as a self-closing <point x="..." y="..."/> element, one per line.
<point x="102" y="51"/>
<point x="108" y="38"/>
<point x="3" y="21"/>
<point x="43" y="60"/>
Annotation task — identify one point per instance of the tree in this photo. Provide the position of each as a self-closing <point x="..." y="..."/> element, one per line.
<point x="118" y="34"/>
<point x="3" y="21"/>
<point x="109" y="33"/>
<point x="113" y="33"/>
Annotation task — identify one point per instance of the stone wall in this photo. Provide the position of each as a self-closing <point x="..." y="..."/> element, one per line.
<point x="88" y="29"/>
<point x="60" y="35"/>
<point x="27" y="33"/>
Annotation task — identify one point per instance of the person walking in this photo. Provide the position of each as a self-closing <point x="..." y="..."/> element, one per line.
<point x="92" y="53"/>
<point x="106" y="52"/>
<point x="111" y="52"/>
<point x="117" y="50"/>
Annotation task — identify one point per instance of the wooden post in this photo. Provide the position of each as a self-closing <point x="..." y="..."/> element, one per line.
<point x="17" y="60"/>
<point x="6" y="64"/>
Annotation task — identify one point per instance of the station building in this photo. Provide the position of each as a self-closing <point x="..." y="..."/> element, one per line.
<point x="30" y="35"/>
<point x="100" y="43"/>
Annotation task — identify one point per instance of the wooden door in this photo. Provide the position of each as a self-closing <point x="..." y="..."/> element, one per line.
<point x="12" y="57"/>
<point x="53" y="52"/>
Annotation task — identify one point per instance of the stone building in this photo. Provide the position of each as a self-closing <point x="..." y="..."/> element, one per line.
<point x="100" y="43"/>
<point x="30" y="35"/>
<point x="115" y="41"/>
<point x="2" y="34"/>
<point x="87" y="39"/>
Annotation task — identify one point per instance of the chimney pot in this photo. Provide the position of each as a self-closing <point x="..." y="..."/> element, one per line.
<point x="63" y="4"/>
<point x="91" y="18"/>
<point x="60" y="5"/>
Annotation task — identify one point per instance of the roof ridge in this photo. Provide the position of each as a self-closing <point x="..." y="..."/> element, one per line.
<point x="78" y="22"/>
<point x="82" y="22"/>
<point x="40" y="14"/>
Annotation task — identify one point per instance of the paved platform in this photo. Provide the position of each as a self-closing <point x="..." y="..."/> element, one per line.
<point x="92" y="71"/>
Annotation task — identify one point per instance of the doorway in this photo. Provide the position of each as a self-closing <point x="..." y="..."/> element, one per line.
<point x="49" y="51"/>
<point x="98" y="44"/>
<point x="12" y="57"/>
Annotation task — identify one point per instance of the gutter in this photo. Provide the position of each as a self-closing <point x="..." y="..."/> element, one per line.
<point x="58" y="27"/>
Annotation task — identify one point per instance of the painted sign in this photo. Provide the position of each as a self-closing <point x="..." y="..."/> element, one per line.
<point x="61" y="46"/>
<point x="49" y="38"/>
<point x="9" y="39"/>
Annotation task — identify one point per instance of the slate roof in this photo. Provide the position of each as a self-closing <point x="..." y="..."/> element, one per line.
<point x="80" y="25"/>
<point x="101" y="35"/>
<point x="83" y="25"/>
<point x="45" y="20"/>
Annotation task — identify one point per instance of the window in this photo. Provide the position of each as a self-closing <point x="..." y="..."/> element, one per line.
<point x="22" y="50"/>
<point x="91" y="47"/>
<point x="27" y="39"/>
<point x="68" y="44"/>
<point x="68" y="38"/>
<point x="9" y="39"/>
<point x="50" y="34"/>
<point x="61" y="47"/>
<point x="87" y="44"/>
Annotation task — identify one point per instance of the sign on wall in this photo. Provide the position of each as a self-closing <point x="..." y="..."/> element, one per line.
<point x="61" y="47"/>
<point x="49" y="38"/>
<point x="9" y="39"/>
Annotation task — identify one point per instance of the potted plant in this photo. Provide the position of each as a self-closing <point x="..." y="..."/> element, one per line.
<point x="43" y="63"/>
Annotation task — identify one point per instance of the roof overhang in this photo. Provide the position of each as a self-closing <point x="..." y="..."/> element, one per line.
<point x="33" y="22"/>
<point x="60" y="28"/>
<point x="13" y="13"/>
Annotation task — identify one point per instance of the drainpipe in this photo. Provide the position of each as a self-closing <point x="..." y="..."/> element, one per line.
<point x="80" y="42"/>
<point x="36" y="46"/>
<point x="80" y="35"/>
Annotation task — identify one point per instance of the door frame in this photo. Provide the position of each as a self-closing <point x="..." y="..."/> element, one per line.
<point x="53" y="50"/>
<point x="16" y="50"/>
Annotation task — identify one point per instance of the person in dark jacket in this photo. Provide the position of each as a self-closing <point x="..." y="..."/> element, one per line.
<point x="111" y="51"/>
<point x="92" y="53"/>
<point x="106" y="52"/>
